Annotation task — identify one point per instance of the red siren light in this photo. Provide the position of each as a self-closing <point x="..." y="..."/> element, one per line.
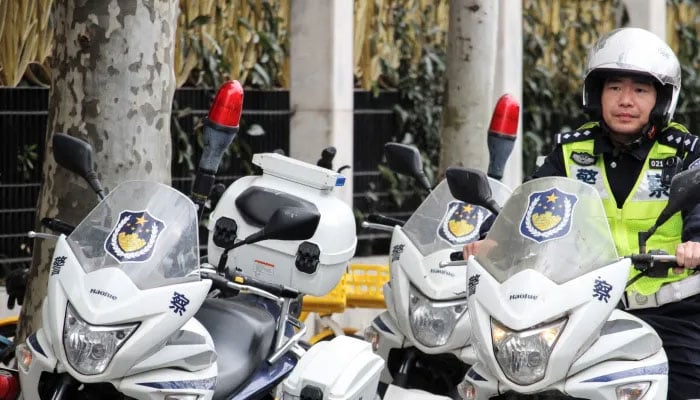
<point x="504" y="120"/>
<point x="228" y="105"/>
<point x="9" y="385"/>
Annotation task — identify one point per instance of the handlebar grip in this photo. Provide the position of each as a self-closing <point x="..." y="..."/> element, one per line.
<point x="219" y="282"/>
<point x="384" y="220"/>
<point x="276" y="289"/>
<point x="654" y="265"/>
<point x="58" y="225"/>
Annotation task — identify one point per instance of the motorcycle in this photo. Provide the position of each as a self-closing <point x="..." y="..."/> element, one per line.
<point x="424" y="335"/>
<point x="129" y="312"/>
<point x="543" y="292"/>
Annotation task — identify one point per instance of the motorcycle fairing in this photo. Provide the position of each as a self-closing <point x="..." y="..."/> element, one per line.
<point x="125" y="303"/>
<point x="544" y="301"/>
<point x="390" y="337"/>
<point x="424" y="271"/>
<point x="623" y="337"/>
<point x="404" y="274"/>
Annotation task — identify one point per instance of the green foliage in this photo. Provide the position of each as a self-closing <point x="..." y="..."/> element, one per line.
<point x="422" y="87"/>
<point x="688" y="53"/>
<point x="273" y="48"/>
<point x="26" y="161"/>
<point x="553" y="64"/>
<point x="269" y="38"/>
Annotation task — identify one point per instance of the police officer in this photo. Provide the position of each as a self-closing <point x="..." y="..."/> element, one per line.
<point x="629" y="152"/>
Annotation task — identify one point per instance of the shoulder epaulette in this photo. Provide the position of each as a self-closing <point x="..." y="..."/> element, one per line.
<point x="585" y="132"/>
<point x="678" y="137"/>
<point x="676" y="126"/>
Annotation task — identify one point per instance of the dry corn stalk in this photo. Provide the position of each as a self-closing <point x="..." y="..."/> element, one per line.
<point x="25" y="37"/>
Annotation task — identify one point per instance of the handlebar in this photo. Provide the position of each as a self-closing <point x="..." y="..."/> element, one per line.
<point x="242" y="283"/>
<point x="58" y="225"/>
<point x="384" y="220"/>
<point x="653" y="264"/>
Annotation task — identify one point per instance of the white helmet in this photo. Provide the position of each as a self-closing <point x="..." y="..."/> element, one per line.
<point x="639" y="52"/>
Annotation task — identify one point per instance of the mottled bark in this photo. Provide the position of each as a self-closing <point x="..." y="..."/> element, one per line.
<point x="112" y="85"/>
<point x="471" y="59"/>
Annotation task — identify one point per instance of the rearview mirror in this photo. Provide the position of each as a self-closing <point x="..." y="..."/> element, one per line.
<point x="471" y="186"/>
<point x="75" y="155"/>
<point x="684" y="192"/>
<point x="406" y="160"/>
<point x="286" y="223"/>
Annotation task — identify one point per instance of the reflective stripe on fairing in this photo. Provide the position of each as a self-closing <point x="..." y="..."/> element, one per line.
<point x="206" y="384"/>
<point x="34" y="342"/>
<point x="475" y="375"/>
<point x="381" y="325"/>
<point x="659" y="369"/>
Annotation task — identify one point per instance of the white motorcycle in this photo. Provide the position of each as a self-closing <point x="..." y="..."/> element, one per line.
<point x="127" y="315"/>
<point x="424" y="333"/>
<point x="543" y="295"/>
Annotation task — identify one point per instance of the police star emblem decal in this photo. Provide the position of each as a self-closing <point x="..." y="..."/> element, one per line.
<point x="134" y="237"/>
<point x="548" y="215"/>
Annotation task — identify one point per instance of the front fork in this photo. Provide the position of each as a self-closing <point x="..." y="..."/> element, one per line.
<point x="63" y="386"/>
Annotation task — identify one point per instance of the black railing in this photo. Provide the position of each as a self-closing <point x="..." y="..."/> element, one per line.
<point x="23" y="122"/>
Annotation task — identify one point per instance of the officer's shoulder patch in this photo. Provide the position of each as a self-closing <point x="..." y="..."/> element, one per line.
<point x="582" y="158"/>
<point x="683" y="141"/>
<point x="575" y="136"/>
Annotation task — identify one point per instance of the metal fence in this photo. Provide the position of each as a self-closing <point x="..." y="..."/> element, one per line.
<point x="23" y="122"/>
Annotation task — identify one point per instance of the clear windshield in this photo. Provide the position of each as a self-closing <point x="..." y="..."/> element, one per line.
<point x="556" y="226"/>
<point x="442" y="222"/>
<point x="146" y="229"/>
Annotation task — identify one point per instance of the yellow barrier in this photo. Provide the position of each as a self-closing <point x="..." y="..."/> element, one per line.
<point x="360" y="286"/>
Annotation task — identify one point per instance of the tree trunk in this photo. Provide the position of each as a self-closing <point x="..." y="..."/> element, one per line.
<point x="112" y="85"/>
<point x="471" y="60"/>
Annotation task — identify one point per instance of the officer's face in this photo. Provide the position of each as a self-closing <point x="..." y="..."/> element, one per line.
<point x="627" y="103"/>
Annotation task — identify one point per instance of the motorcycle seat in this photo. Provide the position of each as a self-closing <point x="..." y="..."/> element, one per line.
<point x="242" y="333"/>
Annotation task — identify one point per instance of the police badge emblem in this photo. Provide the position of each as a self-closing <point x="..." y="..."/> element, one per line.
<point x="461" y="223"/>
<point x="134" y="237"/>
<point x="582" y="158"/>
<point x="548" y="215"/>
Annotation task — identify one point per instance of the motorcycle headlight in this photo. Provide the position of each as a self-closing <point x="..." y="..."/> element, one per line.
<point x="90" y="348"/>
<point x="432" y="322"/>
<point x="523" y="355"/>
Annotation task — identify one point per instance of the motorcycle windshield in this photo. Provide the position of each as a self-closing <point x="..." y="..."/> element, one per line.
<point x="146" y="229"/>
<point x="556" y="226"/>
<point x="442" y="222"/>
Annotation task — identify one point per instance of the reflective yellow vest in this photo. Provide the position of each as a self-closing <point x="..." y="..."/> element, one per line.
<point x="641" y="208"/>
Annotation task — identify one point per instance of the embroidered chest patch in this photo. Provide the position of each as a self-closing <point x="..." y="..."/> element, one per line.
<point x="657" y="188"/>
<point x="462" y="222"/>
<point x="588" y="175"/>
<point x="548" y="215"/>
<point x="582" y="158"/>
<point x="134" y="237"/>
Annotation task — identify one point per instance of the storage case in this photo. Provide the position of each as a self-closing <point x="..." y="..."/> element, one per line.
<point x="313" y="266"/>
<point x="344" y="368"/>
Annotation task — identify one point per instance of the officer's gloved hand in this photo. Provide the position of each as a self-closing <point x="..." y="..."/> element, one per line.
<point x="16" y="285"/>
